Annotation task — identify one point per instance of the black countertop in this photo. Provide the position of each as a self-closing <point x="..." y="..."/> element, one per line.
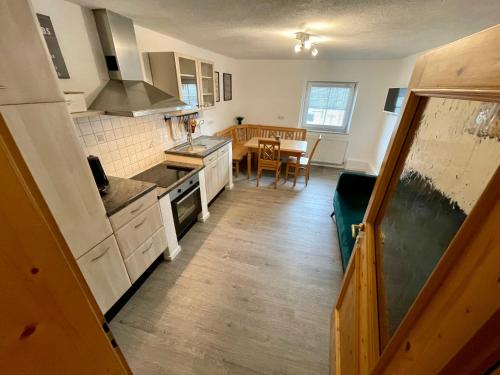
<point x="123" y="191"/>
<point x="164" y="181"/>
<point x="211" y="142"/>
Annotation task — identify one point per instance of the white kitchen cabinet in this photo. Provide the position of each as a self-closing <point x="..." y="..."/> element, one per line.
<point x="146" y="254"/>
<point x="207" y="83"/>
<point x="104" y="270"/>
<point x="26" y="72"/>
<point x="138" y="230"/>
<point x="48" y="143"/>
<point x="176" y="74"/>
<point x="212" y="179"/>
<point x="217" y="170"/>
<point x="222" y="167"/>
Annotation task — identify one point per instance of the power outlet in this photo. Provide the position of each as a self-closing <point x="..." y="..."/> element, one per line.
<point x="281" y="117"/>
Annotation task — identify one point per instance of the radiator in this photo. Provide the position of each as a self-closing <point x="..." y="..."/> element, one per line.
<point x="331" y="149"/>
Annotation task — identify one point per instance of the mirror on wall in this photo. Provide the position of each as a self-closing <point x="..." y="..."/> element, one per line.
<point x="452" y="156"/>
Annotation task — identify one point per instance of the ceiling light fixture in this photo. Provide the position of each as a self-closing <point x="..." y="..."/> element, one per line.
<point x="304" y="43"/>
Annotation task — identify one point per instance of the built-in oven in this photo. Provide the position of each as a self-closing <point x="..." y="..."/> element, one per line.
<point x="186" y="205"/>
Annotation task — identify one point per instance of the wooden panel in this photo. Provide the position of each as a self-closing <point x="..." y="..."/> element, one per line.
<point x="368" y="312"/>
<point x="46" y="137"/>
<point x="50" y="322"/>
<point x="347" y="319"/>
<point x="471" y="62"/>
<point x="26" y="72"/>
<point x="105" y="273"/>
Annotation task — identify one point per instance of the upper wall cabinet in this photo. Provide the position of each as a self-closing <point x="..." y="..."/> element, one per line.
<point x="25" y="77"/>
<point x="177" y="75"/>
<point x="207" y="83"/>
<point x="188" y="78"/>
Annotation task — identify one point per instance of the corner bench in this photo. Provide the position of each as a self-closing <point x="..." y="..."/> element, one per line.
<point x="240" y="134"/>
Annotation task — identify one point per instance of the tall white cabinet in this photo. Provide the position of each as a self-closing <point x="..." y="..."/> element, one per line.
<point x="34" y="110"/>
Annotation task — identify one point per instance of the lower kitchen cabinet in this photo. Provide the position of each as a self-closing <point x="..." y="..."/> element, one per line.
<point x="105" y="273"/>
<point x="146" y="254"/>
<point x="217" y="169"/>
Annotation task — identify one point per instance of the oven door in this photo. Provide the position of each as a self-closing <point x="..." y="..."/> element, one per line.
<point x="186" y="208"/>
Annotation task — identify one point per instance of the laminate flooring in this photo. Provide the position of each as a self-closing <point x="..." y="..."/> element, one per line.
<point x="251" y="292"/>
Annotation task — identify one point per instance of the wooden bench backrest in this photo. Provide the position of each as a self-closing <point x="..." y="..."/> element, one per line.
<point x="242" y="133"/>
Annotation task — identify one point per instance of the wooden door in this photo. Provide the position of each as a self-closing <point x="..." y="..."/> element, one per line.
<point x="430" y="252"/>
<point x="50" y="323"/>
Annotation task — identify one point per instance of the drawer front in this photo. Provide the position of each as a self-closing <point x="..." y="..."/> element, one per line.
<point x="123" y="216"/>
<point x="222" y="151"/>
<point x="146" y="254"/>
<point x="138" y="230"/>
<point x="105" y="273"/>
<point x="210" y="158"/>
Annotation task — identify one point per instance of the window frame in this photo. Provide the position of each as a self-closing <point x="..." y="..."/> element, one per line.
<point x="349" y="108"/>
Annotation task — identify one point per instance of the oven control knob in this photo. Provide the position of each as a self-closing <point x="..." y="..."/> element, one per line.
<point x="179" y="190"/>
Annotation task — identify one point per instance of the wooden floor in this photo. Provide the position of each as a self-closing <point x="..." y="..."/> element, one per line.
<point x="250" y="293"/>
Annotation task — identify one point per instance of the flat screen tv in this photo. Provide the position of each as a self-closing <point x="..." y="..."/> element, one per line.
<point x="395" y="99"/>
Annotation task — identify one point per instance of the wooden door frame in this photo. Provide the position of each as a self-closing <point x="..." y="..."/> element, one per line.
<point x="466" y="69"/>
<point x="26" y="201"/>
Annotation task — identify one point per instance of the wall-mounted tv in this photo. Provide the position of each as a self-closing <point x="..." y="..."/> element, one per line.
<point x="395" y="99"/>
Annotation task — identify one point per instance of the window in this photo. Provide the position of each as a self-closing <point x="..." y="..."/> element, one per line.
<point x="328" y="106"/>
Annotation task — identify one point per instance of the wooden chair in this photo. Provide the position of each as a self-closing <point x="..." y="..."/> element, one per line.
<point x="239" y="152"/>
<point x="305" y="163"/>
<point x="269" y="159"/>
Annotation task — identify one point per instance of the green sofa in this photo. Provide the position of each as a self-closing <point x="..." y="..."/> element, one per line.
<point x="349" y="205"/>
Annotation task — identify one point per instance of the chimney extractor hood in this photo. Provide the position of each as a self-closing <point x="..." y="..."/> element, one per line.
<point x="126" y="93"/>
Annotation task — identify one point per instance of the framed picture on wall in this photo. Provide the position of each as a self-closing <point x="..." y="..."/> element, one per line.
<point x="227" y="82"/>
<point x="217" y="87"/>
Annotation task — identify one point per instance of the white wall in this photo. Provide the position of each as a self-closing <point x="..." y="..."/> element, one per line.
<point x="274" y="90"/>
<point x="389" y="121"/>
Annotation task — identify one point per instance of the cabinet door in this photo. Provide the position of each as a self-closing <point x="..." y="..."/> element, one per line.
<point x="212" y="178"/>
<point x="105" y="273"/>
<point x="26" y="72"/>
<point x="48" y="143"/>
<point x="187" y="71"/>
<point x="207" y="83"/>
<point x="222" y="170"/>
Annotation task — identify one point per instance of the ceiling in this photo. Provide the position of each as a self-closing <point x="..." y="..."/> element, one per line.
<point x="346" y="29"/>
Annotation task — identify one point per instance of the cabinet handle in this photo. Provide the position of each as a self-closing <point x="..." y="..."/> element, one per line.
<point x="100" y="255"/>
<point x="3" y="87"/>
<point x="137" y="209"/>
<point x="142" y="222"/>
<point x="149" y="248"/>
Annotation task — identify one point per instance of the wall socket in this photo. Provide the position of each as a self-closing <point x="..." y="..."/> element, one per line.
<point x="281" y="117"/>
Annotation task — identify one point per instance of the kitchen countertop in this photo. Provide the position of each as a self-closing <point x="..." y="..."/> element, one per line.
<point x="123" y="191"/>
<point x="211" y="142"/>
<point x="157" y="176"/>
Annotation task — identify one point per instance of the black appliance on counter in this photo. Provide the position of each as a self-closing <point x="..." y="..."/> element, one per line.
<point x="185" y="199"/>
<point x="98" y="172"/>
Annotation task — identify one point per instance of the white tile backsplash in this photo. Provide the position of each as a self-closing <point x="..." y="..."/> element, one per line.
<point x="127" y="146"/>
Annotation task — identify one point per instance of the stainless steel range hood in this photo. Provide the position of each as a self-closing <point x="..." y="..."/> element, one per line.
<point x="126" y="93"/>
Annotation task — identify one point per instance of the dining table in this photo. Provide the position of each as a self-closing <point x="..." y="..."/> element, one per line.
<point x="288" y="147"/>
